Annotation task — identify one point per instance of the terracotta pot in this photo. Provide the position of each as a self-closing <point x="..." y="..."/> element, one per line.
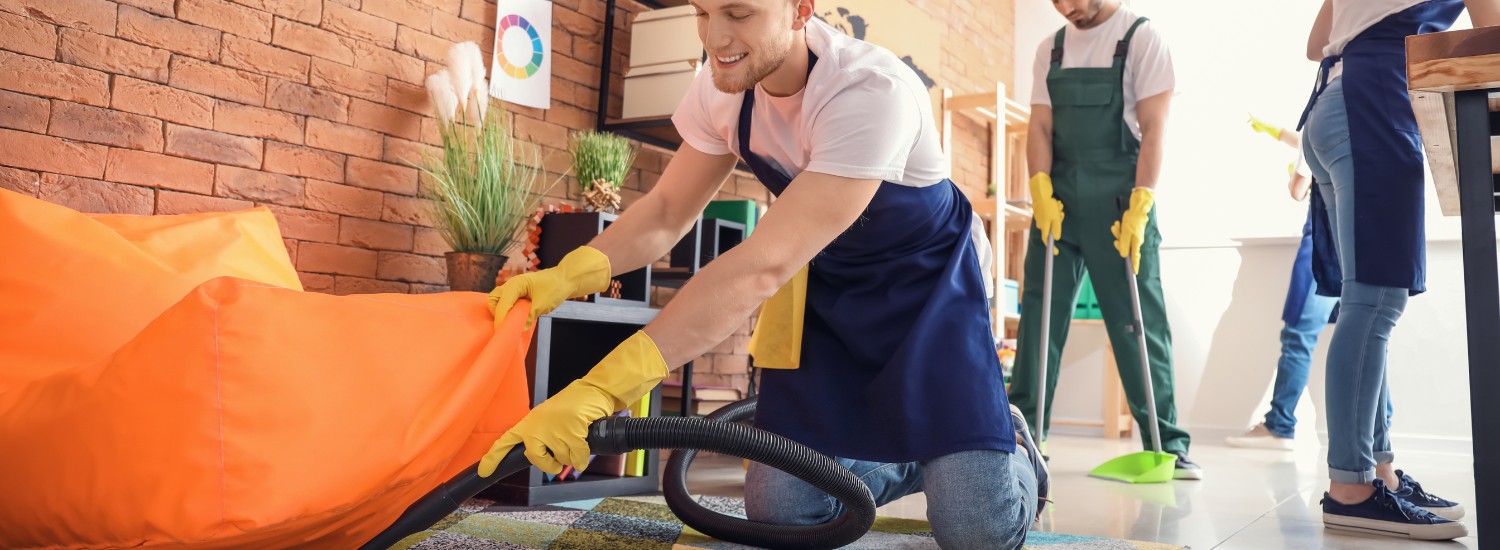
<point x="473" y="271"/>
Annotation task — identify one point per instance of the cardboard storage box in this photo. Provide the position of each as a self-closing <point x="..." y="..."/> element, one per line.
<point x="666" y="35"/>
<point x="655" y="90"/>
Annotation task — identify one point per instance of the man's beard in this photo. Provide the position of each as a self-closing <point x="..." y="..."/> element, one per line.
<point x="760" y="67"/>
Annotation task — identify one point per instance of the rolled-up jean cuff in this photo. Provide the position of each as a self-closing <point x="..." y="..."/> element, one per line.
<point x="1356" y="478"/>
<point x="1385" y="457"/>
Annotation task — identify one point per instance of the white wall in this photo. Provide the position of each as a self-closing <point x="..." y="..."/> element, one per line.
<point x="1230" y="231"/>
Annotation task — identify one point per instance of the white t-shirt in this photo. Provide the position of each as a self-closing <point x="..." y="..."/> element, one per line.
<point x="863" y="115"/>
<point x="1148" y="65"/>
<point x="1351" y="17"/>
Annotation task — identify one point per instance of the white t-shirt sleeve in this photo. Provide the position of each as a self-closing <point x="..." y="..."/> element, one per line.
<point x="693" y="121"/>
<point x="1150" y="62"/>
<point x="867" y="129"/>
<point x="1039" y="69"/>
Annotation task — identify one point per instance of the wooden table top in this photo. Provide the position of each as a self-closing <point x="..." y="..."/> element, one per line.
<point x="1437" y="65"/>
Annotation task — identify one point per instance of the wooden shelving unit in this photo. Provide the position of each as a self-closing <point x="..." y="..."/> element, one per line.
<point x="1006" y="221"/>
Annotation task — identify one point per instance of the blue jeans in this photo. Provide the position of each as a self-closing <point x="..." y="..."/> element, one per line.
<point x="975" y="499"/>
<point x="1356" y="381"/>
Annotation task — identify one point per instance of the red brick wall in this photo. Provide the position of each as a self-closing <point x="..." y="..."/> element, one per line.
<point x="314" y="107"/>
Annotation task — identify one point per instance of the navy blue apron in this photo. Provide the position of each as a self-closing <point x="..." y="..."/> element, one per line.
<point x="1390" y="240"/>
<point x="898" y="362"/>
<point x="1302" y="279"/>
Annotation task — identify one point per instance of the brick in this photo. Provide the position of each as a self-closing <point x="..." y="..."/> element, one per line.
<point x="291" y="249"/>
<point x="457" y="29"/>
<point x="90" y="15"/>
<point x="531" y="130"/>
<point x="231" y="18"/>
<point x="588" y="51"/>
<point x="429" y="241"/>
<point x="155" y="170"/>
<point x="375" y="235"/>
<point x="345" y="3"/>
<point x="332" y="258"/>
<point x="407" y="210"/>
<point x="360" y="26"/>
<point x="354" y="82"/>
<point x="374" y="116"/>
<point x="346" y="286"/>
<point x="26" y="35"/>
<point x="313" y="41"/>
<point x="343" y="199"/>
<point x="731" y="364"/>
<point x="95" y="125"/>
<point x="21" y="181"/>
<point x="154" y="100"/>
<point x="405" y="12"/>
<point x="417" y="288"/>
<point x="480" y="11"/>
<point x="94" y="196"/>
<point x="343" y="138"/>
<point x="265" y="59"/>
<point x="576" y="23"/>
<point x="164" y="8"/>
<point x="409" y="97"/>
<point x="306" y="100"/>
<point x="112" y="55"/>
<point x="389" y="62"/>
<point x="570" y="117"/>
<point x="411" y="268"/>
<point x="51" y="154"/>
<point x="24" y="112"/>
<point x="306" y="225"/>
<point x="244" y="120"/>
<point x="381" y="176"/>
<point x="423" y="45"/>
<point x="450" y="6"/>
<point x="304" y="161"/>
<point x="316" y="282"/>
<point x="215" y="147"/>
<point x="254" y="185"/>
<point x="306" y="11"/>
<point x="41" y="77"/>
<point x="170" y="34"/>
<point x="430" y="133"/>
<point x="172" y="202"/>
<point x="577" y="71"/>
<point x="221" y="82"/>
<point x="407" y="153"/>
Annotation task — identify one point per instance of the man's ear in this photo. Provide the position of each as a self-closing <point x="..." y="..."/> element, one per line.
<point x="804" y="14"/>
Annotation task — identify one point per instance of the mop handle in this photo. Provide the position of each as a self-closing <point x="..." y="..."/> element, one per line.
<point x="1046" y="343"/>
<point x="1140" y="334"/>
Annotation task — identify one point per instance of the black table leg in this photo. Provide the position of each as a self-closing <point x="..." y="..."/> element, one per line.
<point x="1482" y="302"/>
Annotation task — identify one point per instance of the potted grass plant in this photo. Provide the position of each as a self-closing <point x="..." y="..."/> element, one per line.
<point x="483" y="184"/>
<point x="601" y="161"/>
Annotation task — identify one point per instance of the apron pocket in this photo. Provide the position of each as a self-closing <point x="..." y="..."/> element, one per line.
<point x="1083" y="95"/>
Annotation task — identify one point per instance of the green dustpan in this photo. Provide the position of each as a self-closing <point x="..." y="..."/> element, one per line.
<point x="1151" y="466"/>
<point x="1142" y="467"/>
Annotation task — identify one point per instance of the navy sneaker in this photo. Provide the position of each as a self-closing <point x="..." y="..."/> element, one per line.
<point x="1386" y="514"/>
<point x="1038" y="462"/>
<point x="1186" y="469"/>
<point x="1412" y="492"/>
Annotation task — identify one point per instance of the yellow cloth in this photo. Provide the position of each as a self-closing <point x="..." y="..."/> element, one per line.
<point x="776" y="342"/>
<point x="556" y="432"/>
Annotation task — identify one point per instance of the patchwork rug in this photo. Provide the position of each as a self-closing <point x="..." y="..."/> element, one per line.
<point x="646" y="523"/>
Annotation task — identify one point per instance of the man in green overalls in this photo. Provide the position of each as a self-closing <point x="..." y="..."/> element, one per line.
<point x="1102" y="90"/>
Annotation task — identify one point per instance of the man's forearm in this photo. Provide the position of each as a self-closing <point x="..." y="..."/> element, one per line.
<point x="715" y="302"/>
<point x="1148" y="166"/>
<point x="1039" y="151"/>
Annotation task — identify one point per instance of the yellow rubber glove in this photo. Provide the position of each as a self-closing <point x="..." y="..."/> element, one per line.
<point x="1130" y="231"/>
<point x="555" y="432"/>
<point x="582" y="272"/>
<point x="1267" y="129"/>
<point x="1045" y="208"/>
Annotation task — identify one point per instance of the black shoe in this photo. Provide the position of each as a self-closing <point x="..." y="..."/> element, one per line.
<point x="1389" y="515"/>
<point x="1038" y="462"/>
<point x="1186" y="469"/>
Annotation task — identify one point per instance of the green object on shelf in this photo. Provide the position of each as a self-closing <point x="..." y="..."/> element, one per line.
<point x="745" y="212"/>
<point x="1088" y="303"/>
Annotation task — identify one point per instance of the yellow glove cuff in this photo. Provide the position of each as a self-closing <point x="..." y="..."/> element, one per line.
<point x="1041" y="186"/>
<point x="1142" y="199"/>
<point x="630" y="371"/>
<point x="588" y="269"/>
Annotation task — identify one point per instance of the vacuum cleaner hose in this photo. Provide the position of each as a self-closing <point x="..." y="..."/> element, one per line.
<point x="617" y="435"/>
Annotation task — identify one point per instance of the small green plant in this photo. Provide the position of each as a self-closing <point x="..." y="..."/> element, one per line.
<point x="601" y="157"/>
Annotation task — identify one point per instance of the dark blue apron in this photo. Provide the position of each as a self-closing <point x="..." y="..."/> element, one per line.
<point x="898" y="362"/>
<point x="1302" y="279"/>
<point x="1390" y="239"/>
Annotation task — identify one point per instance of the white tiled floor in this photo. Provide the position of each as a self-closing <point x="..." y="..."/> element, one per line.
<point x="1249" y="499"/>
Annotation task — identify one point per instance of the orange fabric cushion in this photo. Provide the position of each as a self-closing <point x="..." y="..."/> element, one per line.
<point x="252" y="416"/>
<point x="74" y="287"/>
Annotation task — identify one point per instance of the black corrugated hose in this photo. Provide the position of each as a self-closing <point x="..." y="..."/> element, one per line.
<point x="718" y="433"/>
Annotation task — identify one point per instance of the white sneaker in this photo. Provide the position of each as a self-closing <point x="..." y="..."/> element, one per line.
<point x="1260" y="438"/>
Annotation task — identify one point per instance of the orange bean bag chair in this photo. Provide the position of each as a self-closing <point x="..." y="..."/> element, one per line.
<point x="239" y="413"/>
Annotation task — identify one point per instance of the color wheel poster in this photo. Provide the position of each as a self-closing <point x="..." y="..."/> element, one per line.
<point x="522" y="69"/>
